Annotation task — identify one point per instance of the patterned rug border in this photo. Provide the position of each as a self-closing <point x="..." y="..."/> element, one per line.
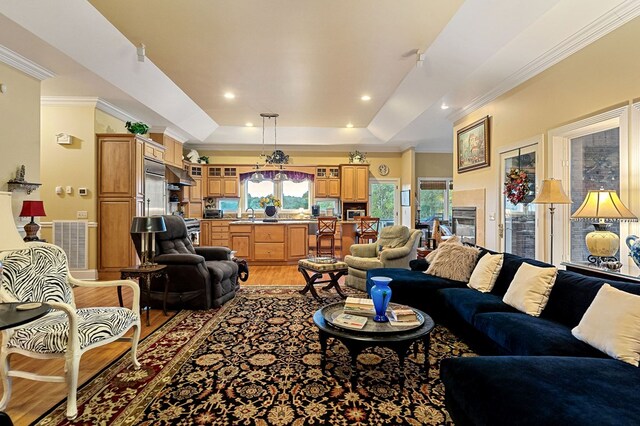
<point x="87" y="390"/>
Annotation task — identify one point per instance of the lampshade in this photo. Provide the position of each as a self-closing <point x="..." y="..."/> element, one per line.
<point x="552" y="193"/>
<point x="32" y="208"/>
<point x="256" y="177"/>
<point x="147" y="224"/>
<point x="10" y="239"/>
<point x="603" y="204"/>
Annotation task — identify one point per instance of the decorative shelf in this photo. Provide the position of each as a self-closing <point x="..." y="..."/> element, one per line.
<point x="27" y="186"/>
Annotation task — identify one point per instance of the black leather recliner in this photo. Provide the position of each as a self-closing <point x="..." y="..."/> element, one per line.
<point x="199" y="277"/>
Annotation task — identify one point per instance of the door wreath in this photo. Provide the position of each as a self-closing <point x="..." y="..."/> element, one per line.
<point x="516" y="185"/>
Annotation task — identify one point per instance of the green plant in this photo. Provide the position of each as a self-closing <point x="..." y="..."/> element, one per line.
<point x="204" y="159"/>
<point x="138" y="128"/>
<point x="357" y="156"/>
<point x="270" y="200"/>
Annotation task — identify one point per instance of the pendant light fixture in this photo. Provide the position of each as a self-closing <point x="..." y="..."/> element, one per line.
<point x="277" y="157"/>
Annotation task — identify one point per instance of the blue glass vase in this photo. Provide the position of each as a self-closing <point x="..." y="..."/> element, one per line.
<point x="381" y="295"/>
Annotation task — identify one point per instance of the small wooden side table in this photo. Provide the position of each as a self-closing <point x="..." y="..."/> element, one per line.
<point x="144" y="274"/>
<point x="422" y="252"/>
<point x="335" y="271"/>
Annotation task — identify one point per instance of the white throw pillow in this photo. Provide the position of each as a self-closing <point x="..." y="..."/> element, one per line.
<point x="612" y="324"/>
<point x="530" y="287"/>
<point x="486" y="272"/>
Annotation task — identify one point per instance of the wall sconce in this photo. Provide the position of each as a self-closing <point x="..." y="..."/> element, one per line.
<point x="3" y="88"/>
<point x="64" y="139"/>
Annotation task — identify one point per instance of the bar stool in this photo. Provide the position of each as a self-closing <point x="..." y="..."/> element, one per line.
<point x="367" y="230"/>
<point x="326" y="231"/>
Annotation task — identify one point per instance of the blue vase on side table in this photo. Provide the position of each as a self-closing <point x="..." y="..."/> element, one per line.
<point x="381" y="295"/>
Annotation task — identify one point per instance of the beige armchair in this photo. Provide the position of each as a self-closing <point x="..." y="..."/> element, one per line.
<point x="395" y="247"/>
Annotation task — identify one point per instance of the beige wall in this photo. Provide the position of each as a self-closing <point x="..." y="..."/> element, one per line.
<point x="19" y="133"/>
<point x="597" y="78"/>
<point x="408" y="181"/>
<point x="434" y="165"/>
<point x="72" y="165"/>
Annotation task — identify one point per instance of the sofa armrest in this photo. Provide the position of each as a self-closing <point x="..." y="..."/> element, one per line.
<point x="179" y="259"/>
<point x="419" y="265"/>
<point x="364" y="250"/>
<point x="214" y="253"/>
<point x="394" y="253"/>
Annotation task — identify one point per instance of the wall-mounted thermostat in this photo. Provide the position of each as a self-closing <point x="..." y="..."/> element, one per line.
<point x="64" y="139"/>
<point x="83" y="191"/>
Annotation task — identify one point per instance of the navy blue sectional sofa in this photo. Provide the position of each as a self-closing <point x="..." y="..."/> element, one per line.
<point x="535" y="371"/>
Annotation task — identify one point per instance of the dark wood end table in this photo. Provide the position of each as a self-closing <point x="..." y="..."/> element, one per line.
<point x="374" y="334"/>
<point x="144" y="274"/>
<point x="335" y="271"/>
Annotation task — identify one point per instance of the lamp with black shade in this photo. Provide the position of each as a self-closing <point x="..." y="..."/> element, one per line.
<point x="33" y="209"/>
<point x="148" y="226"/>
<point x="603" y="205"/>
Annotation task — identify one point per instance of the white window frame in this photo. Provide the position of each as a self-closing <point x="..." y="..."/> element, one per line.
<point x="277" y="192"/>
<point x="560" y="140"/>
<point x="447" y="207"/>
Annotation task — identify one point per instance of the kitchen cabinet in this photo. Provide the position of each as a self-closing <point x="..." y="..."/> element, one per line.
<point x="222" y="181"/>
<point x="270" y="243"/>
<point x="355" y="183"/>
<point x="120" y="198"/>
<point x="242" y="240"/>
<point x="205" y="233"/>
<point x="154" y="150"/>
<point x="214" y="232"/>
<point x="327" y="182"/>
<point x="298" y="238"/>
<point x="173" y="148"/>
<point x="196" y="172"/>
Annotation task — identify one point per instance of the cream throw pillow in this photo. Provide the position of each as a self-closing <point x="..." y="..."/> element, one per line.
<point x="454" y="262"/>
<point x="486" y="272"/>
<point x="612" y="324"/>
<point x="453" y="240"/>
<point x="530" y="288"/>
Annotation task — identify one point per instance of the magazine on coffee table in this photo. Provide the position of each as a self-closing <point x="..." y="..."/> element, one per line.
<point x="350" y="321"/>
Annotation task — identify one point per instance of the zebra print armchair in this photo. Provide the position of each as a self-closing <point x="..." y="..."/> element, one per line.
<point x="40" y="274"/>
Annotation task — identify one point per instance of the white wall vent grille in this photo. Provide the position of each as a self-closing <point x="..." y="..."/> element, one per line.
<point x="71" y="236"/>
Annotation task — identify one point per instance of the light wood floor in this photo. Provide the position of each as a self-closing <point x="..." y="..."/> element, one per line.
<point x="30" y="399"/>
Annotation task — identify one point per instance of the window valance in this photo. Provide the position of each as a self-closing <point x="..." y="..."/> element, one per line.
<point x="292" y="175"/>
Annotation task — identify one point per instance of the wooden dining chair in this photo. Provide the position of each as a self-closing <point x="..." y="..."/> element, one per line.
<point x="367" y="229"/>
<point x="326" y="232"/>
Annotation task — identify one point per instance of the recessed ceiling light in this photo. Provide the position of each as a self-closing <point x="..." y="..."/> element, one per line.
<point x="366" y="98"/>
<point x="444" y="106"/>
<point x="349" y="125"/>
<point x="229" y="95"/>
<point x="248" y="124"/>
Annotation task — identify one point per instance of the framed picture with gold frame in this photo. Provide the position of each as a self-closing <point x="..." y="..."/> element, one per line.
<point x="473" y="146"/>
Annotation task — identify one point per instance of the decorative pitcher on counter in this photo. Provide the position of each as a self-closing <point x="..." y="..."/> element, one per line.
<point x="633" y="242"/>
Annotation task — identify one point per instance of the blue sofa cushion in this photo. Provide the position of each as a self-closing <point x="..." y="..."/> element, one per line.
<point x="467" y="302"/>
<point x="413" y="288"/>
<point x="572" y="294"/>
<point x="510" y="265"/>
<point x="522" y="334"/>
<point x="541" y="391"/>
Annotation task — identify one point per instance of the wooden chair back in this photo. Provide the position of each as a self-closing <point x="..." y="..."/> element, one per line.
<point x="368" y="225"/>
<point x="327" y="225"/>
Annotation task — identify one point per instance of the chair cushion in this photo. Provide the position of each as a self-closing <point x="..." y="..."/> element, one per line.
<point x="393" y="236"/>
<point x="363" y="263"/>
<point x="36" y="274"/>
<point x="221" y="270"/>
<point x="522" y="334"/>
<point x="48" y="335"/>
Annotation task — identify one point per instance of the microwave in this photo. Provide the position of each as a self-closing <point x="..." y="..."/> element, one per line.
<point x="352" y="214"/>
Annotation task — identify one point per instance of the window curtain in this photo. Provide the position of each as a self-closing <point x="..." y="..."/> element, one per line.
<point x="435" y="185"/>
<point x="270" y="174"/>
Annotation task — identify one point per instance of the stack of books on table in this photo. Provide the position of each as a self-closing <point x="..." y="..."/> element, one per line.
<point x="350" y="321"/>
<point x="359" y="306"/>
<point x="403" y="316"/>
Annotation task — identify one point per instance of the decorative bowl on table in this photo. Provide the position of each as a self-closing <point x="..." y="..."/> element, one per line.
<point x="612" y="265"/>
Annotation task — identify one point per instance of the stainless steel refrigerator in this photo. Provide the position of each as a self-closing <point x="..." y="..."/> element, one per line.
<point x="155" y="192"/>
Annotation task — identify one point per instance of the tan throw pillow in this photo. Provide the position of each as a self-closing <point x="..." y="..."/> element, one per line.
<point x="453" y="240"/>
<point x="486" y="272"/>
<point x="454" y="262"/>
<point x="530" y="288"/>
<point x="612" y="324"/>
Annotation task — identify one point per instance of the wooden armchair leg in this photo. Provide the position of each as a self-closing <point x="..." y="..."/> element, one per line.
<point x="6" y="381"/>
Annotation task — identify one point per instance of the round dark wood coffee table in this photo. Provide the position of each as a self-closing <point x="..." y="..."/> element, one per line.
<point x="372" y="335"/>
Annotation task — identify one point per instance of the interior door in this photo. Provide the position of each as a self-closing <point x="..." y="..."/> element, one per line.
<point x="518" y="231"/>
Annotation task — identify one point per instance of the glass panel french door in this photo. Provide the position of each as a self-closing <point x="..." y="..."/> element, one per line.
<point x="383" y="201"/>
<point x="518" y="221"/>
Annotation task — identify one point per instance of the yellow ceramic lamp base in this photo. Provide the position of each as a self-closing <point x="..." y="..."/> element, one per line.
<point x="602" y="243"/>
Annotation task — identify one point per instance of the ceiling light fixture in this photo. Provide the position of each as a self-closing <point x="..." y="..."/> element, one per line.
<point x="229" y="95"/>
<point x="249" y="124"/>
<point x="444" y="106"/>
<point x="349" y="125"/>
<point x="365" y="98"/>
<point x="277" y="157"/>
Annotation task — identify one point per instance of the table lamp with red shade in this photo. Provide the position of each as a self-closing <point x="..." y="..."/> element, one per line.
<point x="33" y="209"/>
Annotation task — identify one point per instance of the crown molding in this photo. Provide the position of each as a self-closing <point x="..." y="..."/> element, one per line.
<point x="23" y="64"/>
<point x="169" y="132"/>
<point x="79" y="101"/>
<point x="608" y="22"/>
<point x="114" y="111"/>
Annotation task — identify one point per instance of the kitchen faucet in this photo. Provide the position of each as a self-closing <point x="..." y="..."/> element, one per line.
<point x="253" y="214"/>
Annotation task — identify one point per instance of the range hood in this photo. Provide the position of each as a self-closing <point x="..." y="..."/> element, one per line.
<point x="177" y="176"/>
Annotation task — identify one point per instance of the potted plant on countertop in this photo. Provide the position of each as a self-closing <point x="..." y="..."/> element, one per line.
<point x="270" y="204"/>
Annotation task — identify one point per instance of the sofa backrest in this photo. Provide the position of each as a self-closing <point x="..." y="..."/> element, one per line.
<point x="572" y="294"/>
<point x="510" y="266"/>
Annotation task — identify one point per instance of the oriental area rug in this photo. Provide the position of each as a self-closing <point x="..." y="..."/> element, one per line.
<point x="256" y="361"/>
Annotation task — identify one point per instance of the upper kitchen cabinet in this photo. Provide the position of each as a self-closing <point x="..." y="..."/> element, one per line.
<point x="222" y="181"/>
<point x="120" y="165"/>
<point x="327" y="182"/>
<point x="355" y="182"/>
<point x="197" y="172"/>
<point x="173" y="148"/>
<point x="154" y="150"/>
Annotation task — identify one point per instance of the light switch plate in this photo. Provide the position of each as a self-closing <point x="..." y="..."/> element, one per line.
<point x="82" y="214"/>
<point x="69" y="190"/>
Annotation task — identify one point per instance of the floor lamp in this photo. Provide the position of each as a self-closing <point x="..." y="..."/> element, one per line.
<point x="552" y="193"/>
